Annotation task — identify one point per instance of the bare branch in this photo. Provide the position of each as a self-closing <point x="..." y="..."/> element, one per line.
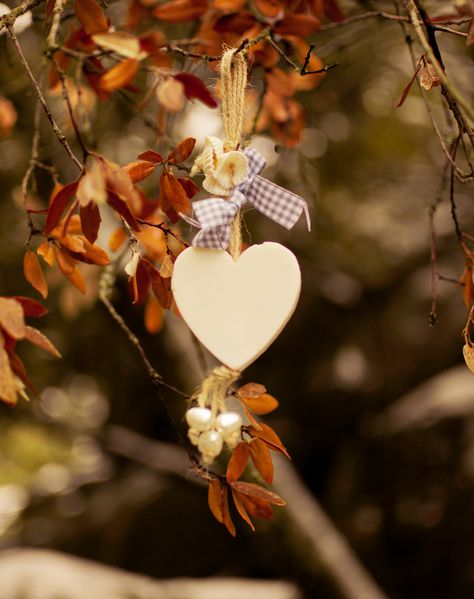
<point x="9" y="19"/>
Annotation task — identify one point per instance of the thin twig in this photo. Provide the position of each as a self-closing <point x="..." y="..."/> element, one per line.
<point x="57" y="131"/>
<point x="9" y="19"/>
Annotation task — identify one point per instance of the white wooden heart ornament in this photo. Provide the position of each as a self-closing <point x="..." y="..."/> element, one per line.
<point x="237" y="309"/>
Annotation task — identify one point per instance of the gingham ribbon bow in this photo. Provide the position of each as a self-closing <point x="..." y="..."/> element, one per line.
<point x="215" y="215"/>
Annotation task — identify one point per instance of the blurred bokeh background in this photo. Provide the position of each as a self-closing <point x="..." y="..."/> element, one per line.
<point x="376" y="406"/>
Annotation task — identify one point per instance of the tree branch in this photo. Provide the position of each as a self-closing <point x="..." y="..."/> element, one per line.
<point x="9" y="19"/>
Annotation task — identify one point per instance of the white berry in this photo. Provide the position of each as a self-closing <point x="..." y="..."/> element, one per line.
<point x="210" y="445"/>
<point x="199" y="418"/>
<point x="229" y="422"/>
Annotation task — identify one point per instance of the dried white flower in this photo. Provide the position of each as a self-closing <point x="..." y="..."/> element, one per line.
<point x="131" y="267"/>
<point x="222" y="170"/>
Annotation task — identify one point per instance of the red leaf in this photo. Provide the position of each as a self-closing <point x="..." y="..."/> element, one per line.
<point x="189" y="187"/>
<point x="332" y="11"/>
<point x="241" y="508"/>
<point x="90" y="221"/>
<point x="121" y="207"/>
<point x="407" y="88"/>
<point x="58" y="204"/>
<point x="253" y="490"/>
<point x="195" y="88"/>
<point x="30" y="306"/>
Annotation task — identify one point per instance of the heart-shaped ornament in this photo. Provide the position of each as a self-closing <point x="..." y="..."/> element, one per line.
<point x="237" y="309"/>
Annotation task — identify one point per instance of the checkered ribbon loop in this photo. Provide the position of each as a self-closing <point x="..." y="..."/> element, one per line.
<point x="214" y="216"/>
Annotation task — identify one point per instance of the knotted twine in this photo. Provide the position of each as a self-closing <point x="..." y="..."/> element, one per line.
<point x="233" y="79"/>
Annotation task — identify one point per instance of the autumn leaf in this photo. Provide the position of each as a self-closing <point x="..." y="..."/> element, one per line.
<point x="8" y="116"/>
<point x="468" y="353"/>
<point x="172" y="194"/>
<point x="58" y="204"/>
<point x="151" y="156"/>
<point x="91" y="16"/>
<point x="262" y="459"/>
<point x="182" y="151"/>
<point x="264" y="404"/>
<point x="139" y="170"/>
<point x="215" y="500"/>
<point x="91" y="186"/>
<point x="178" y="11"/>
<point x="30" y="306"/>
<point x="153" y="315"/>
<point x="259" y="508"/>
<point x="119" y="76"/>
<point x="428" y="76"/>
<point x="253" y="490"/>
<point x="161" y="287"/>
<point x="117" y="238"/>
<point x="297" y="24"/>
<point x="90" y="221"/>
<point x="34" y="274"/>
<point x="8" y="385"/>
<point x="170" y="94"/>
<point x="46" y="252"/>
<point x="194" y="88"/>
<point x="251" y="391"/>
<point x="241" y="508"/>
<point x="238" y="462"/>
<point x="12" y="318"/>
<point x="37" y="338"/>
<point x="123" y="43"/>
<point x="270" y="437"/>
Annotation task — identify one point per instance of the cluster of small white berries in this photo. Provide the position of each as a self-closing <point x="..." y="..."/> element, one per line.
<point x="209" y="433"/>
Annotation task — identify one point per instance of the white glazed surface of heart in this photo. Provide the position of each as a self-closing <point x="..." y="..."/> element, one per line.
<point x="237" y="309"/>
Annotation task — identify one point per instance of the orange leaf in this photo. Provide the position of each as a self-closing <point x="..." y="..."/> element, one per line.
<point x="253" y="490"/>
<point x="77" y="280"/>
<point x="262" y="459"/>
<point x="65" y="262"/>
<point x="297" y="24"/>
<point x="182" y="151"/>
<point x="91" y="16"/>
<point x="36" y="337"/>
<point x="34" y="274"/>
<point x="178" y="11"/>
<point x="214" y="498"/>
<point x="172" y="194"/>
<point x="139" y="170"/>
<point x="46" y="252"/>
<point x="238" y="462"/>
<point x="261" y="405"/>
<point x="12" y="319"/>
<point x="269" y="8"/>
<point x="270" y="437"/>
<point x="241" y="509"/>
<point x="119" y="76"/>
<point x="117" y="238"/>
<point x="153" y="315"/>
<point x="151" y="156"/>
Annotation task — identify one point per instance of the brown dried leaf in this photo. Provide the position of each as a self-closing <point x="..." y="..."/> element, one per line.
<point x="36" y="337"/>
<point x="297" y="24"/>
<point x="182" y="151"/>
<point x="241" y="508"/>
<point x="34" y="274"/>
<point x="227" y="520"/>
<point x="151" y="156"/>
<point x="408" y="86"/>
<point x="262" y="459"/>
<point x="178" y="11"/>
<point x="91" y="186"/>
<point x="468" y="353"/>
<point x="161" y="287"/>
<point x="195" y="88"/>
<point x="215" y="500"/>
<point x="251" y="391"/>
<point x="253" y="490"/>
<point x="172" y="194"/>
<point x="238" y="462"/>
<point x="270" y="437"/>
<point x="429" y="77"/>
<point x="12" y="319"/>
<point x="257" y="507"/>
